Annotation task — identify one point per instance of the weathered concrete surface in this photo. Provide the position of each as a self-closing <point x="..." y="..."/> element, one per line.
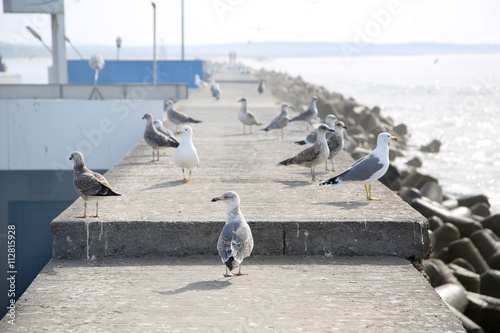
<point x="279" y="294"/>
<point x="288" y="213"/>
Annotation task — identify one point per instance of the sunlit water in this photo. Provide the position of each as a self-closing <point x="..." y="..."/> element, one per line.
<point x="452" y="98"/>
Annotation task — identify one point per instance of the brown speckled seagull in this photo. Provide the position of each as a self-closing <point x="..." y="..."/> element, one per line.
<point x="155" y="138"/>
<point x="88" y="184"/>
<point x="314" y="155"/>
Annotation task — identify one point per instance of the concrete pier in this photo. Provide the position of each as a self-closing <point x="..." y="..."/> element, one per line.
<point x="148" y="262"/>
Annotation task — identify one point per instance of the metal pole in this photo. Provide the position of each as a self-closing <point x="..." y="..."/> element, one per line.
<point x="182" y="29"/>
<point x="154" y="42"/>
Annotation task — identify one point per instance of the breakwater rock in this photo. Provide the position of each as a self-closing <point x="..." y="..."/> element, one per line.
<point x="464" y="267"/>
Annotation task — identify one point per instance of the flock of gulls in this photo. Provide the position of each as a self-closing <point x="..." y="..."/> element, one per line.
<point x="235" y="241"/>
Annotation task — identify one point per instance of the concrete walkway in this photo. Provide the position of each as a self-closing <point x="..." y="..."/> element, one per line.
<point x="130" y="284"/>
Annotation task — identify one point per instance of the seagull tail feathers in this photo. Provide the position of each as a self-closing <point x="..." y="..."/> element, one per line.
<point x="231" y="263"/>
<point x="332" y="181"/>
<point x="191" y="120"/>
<point x="286" y="162"/>
<point x="302" y="142"/>
<point x="108" y="193"/>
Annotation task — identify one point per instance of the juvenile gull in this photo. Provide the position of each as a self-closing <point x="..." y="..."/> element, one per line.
<point x="335" y="142"/>
<point x="156" y="139"/>
<point x="367" y="169"/>
<point x="178" y="118"/>
<point x="309" y="114"/>
<point x="329" y="121"/>
<point x="280" y="121"/>
<point x="314" y="155"/>
<point x="235" y="241"/>
<point x="159" y="126"/>
<point x="88" y="184"/>
<point x="186" y="155"/>
<point x="247" y="117"/>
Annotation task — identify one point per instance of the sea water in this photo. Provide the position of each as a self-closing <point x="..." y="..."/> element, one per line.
<point x="454" y="98"/>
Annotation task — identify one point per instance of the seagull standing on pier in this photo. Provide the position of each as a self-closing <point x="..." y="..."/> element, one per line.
<point x="156" y="139"/>
<point x="260" y="88"/>
<point x="280" y="121"/>
<point x="186" y="155"/>
<point x="88" y="184"/>
<point x="311" y="138"/>
<point x="235" y="241"/>
<point x="178" y="118"/>
<point x="309" y="114"/>
<point x="335" y="142"/>
<point x="247" y="117"/>
<point x="367" y="169"/>
<point x="314" y="155"/>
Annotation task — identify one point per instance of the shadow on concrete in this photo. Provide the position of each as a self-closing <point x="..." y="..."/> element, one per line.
<point x="293" y="183"/>
<point x="345" y="204"/>
<point x="198" y="286"/>
<point x="171" y="183"/>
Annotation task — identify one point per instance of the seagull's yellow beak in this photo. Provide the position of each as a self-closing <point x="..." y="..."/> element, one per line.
<point x="394" y="138"/>
<point x="178" y="132"/>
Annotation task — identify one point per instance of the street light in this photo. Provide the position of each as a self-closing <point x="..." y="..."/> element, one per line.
<point x="118" y="45"/>
<point x="73" y="47"/>
<point x="37" y="36"/>
<point x="154" y="42"/>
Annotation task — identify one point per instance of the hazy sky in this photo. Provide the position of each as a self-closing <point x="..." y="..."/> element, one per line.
<point x="236" y="21"/>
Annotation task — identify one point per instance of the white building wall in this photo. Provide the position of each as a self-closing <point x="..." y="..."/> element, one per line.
<point x="40" y="134"/>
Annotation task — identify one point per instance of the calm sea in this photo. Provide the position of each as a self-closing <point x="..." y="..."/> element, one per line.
<point x="452" y="98"/>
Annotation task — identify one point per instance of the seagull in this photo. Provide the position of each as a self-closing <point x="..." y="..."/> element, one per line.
<point x="280" y="121"/>
<point x="156" y="139"/>
<point x="178" y="118"/>
<point x="88" y="184"/>
<point x="314" y="155"/>
<point x="247" y="117"/>
<point x="335" y="142"/>
<point x="235" y="241"/>
<point x="367" y="169"/>
<point x="216" y="91"/>
<point x="199" y="82"/>
<point x="159" y="126"/>
<point x="309" y="114"/>
<point x="260" y="88"/>
<point x="186" y="155"/>
<point x="329" y="121"/>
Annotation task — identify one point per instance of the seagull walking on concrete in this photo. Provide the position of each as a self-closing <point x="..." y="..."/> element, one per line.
<point x="88" y="184"/>
<point x="235" y="241"/>
<point x="156" y="139"/>
<point x="314" y="155"/>
<point x="309" y="114"/>
<point x="186" y="155"/>
<point x="178" y="118"/>
<point x="247" y="117"/>
<point x="280" y="121"/>
<point x="367" y="169"/>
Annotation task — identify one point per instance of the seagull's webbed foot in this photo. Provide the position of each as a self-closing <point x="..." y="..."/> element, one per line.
<point x="228" y="274"/>
<point x="369" y="194"/>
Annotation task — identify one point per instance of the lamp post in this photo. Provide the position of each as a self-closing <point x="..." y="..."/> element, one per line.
<point x="118" y="45"/>
<point x="154" y="42"/>
<point x="37" y="36"/>
<point x="73" y="47"/>
<point x="182" y="29"/>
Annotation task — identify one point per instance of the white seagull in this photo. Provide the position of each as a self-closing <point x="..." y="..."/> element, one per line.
<point x="186" y="155"/>
<point x="367" y="169"/>
<point x="235" y="241"/>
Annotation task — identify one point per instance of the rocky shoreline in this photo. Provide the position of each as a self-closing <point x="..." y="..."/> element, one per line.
<point x="464" y="267"/>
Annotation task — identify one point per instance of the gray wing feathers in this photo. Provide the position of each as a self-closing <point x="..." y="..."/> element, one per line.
<point x="362" y="169"/>
<point x="235" y="241"/>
